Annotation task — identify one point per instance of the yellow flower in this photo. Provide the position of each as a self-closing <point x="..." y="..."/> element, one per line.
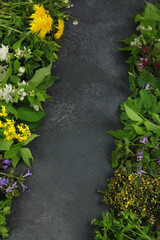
<point x="41" y="22"/>
<point x="24" y="132"/>
<point x="60" y="28"/>
<point x="39" y="11"/>
<point x="3" y="112"/>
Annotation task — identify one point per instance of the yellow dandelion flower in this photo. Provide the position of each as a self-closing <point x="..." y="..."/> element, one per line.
<point x="41" y="22"/>
<point x="60" y="28"/>
<point x="39" y="11"/>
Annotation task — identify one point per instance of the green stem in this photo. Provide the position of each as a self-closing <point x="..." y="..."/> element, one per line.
<point x="10" y="28"/>
<point x="8" y="175"/>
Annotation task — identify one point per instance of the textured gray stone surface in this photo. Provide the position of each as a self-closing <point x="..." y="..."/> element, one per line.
<point x="73" y="155"/>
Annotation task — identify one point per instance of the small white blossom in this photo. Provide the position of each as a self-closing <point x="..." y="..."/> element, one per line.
<point x="149" y="28"/>
<point x="31" y="93"/>
<point x="147" y="86"/>
<point x="135" y="42"/>
<point x="35" y="107"/>
<point x="8" y="93"/>
<point x="22" y="83"/>
<point x="75" y="22"/>
<point x="21" y="71"/>
<point x="4" y="54"/>
<point x="3" y="68"/>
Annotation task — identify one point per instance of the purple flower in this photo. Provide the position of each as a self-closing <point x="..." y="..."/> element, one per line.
<point x="6" y="163"/>
<point x="14" y="185"/>
<point x="140" y="173"/>
<point x="139" y="167"/>
<point x="3" y="182"/>
<point x="143" y="140"/>
<point x="139" y="156"/>
<point x="144" y="62"/>
<point x="24" y="187"/>
<point x="146" y="86"/>
<point x="9" y="189"/>
<point x="158" y="162"/>
<point x="27" y="174"/>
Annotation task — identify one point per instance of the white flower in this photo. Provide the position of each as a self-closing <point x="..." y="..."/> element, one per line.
<point x="35" y="107"/>
<point x="8" y="93"/>
<point x="135" y="42"/>
<point x="149" y="28"/>
<point x="22" y="94"/>
<point x="31" y="93"/>
<point x="4" y="55"/>
<point x="75" y="22"/>
<point x="147" y="86"/>
<point x="21" y="71"/>
<point x="3" y="68"/>
<point x="22" y="83"/>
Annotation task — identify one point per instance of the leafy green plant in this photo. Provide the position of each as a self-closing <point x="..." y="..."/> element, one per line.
<point x="126" y="226"/>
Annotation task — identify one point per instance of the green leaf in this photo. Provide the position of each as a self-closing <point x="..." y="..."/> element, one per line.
<point x="17" y="44"/>
<point x="151" y="126"/>
<point x="120" y="134"/>
<point x="146" y="99"/>
<point x="152" y="12"/>
<point x="5" y="145"/>
<point x="16" y="66"/>
<point x="40" y="75"/>
<point x="28" y="114"/>
<point x="32" y="137"/>
<point x="132" y="114"/>
<point x="13" y="151"/>
<point x="147" y="77"/>
<point x="15" y="160"/>
<point x="139" y="130"/>
<point x="26" y="155"/>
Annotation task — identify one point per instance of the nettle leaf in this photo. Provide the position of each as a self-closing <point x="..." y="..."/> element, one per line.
<point x="129" y="39"/>
<point x="26" y="155"/>
<point x="132" y="114"/>
<point x="5" y="145"/>
<point x="15" y="160"/>
<point x="6" y="76"/>
<point x="120" y="134"/>
<point x="138" y="104"/>
<point x="152" y="12"/>
<point x="147" y="77"/>
<point x="28" y="114"/>
<point x="146" y="99"/>
<point x="13" y="151"/>
<point x="40" y="75"/>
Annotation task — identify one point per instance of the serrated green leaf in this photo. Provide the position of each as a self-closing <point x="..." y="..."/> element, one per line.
<point x="40" y="75"/>
<point x="132" y="114"/>
<point x="5" y="145"/>
<point x="26" y="155"/>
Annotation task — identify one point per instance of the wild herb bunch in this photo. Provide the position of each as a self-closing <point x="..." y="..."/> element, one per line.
<point x="141" y="194"/>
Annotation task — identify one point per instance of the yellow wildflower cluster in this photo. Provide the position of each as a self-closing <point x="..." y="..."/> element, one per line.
<point x="141" y="195"/>
<point x="20" y="132"/>
<point x="3" y="112"/>
<point x="60" y="28"/>
<point x="42" y="21"/>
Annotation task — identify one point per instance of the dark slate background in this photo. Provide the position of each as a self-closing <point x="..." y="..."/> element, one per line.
<point x="73" y="154"/>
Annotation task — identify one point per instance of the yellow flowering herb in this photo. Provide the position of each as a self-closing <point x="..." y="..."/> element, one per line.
<point x="20" y="132"/>
<point x="4" y="112"/>
<point x="60" y="28"/>
<point x="41" y="21"/>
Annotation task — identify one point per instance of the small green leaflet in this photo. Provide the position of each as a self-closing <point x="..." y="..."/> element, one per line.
<point x="132" y="114"/>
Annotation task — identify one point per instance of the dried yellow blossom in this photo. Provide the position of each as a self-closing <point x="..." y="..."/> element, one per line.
<point x="60" y="28"/>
